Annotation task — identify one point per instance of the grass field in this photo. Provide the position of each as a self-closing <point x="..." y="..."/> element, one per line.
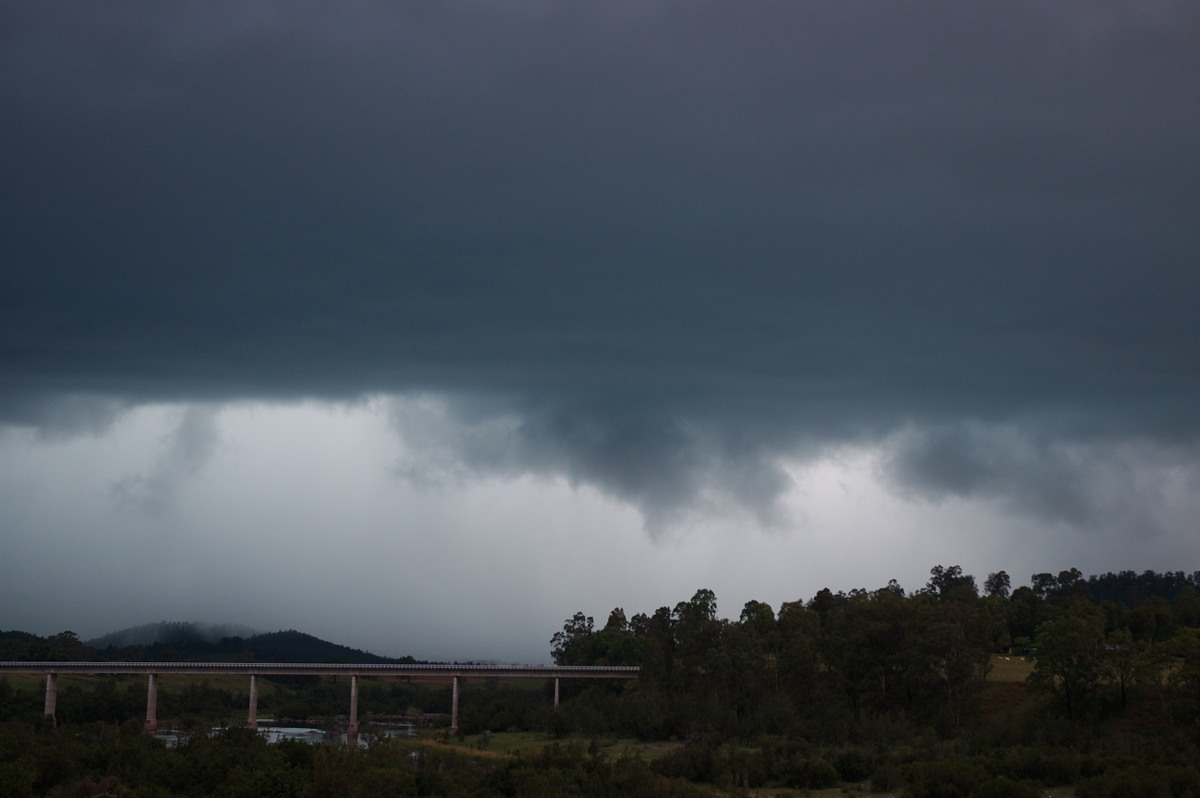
<point x="234" y="683"/>
<point x="503" y="744"/>
<point x="1010" y="669"/>
<point x="532" y="742"/>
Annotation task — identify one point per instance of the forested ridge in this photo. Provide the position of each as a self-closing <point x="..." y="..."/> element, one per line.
<point x="926" y="653"/>
<point x="166" y="642"/>
<point x="1088" y="686"/>
<point x="904" y="680"/>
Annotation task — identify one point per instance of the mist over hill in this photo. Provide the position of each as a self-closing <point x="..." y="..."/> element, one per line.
<point x="174" y="640"/>
<point x="170" y="632"/>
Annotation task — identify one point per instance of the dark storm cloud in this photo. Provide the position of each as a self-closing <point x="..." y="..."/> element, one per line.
<point x="662" y="465"/>
<point x="671" y="240"/>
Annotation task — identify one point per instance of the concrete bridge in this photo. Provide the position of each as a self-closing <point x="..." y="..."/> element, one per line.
<point x="152" y="670"/>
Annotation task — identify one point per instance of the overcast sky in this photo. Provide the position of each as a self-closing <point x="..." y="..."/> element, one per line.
<point x="420" y="326"/>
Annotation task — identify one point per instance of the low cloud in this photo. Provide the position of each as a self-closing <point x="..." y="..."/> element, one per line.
<point x="667" y="469"/>
<point x="672" y="472"/>
<point x="185" y="452"/>
<point x="1131" y="486"/>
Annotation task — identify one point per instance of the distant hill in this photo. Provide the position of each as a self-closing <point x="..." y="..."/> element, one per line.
<point x="166" y="641"/>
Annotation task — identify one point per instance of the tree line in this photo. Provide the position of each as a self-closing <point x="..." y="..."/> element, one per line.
<point x="926" y="653"/>
<point x="1113" y="663"/>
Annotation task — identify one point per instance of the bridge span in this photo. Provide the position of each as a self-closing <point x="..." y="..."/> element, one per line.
<point x="453" y="672"/>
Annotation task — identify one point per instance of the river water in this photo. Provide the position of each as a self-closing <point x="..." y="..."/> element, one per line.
<point x="303" y="734"/>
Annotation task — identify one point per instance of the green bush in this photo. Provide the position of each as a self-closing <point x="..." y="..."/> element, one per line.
<point x="1143" y="781"/>
<point x="1004" y="787"/>
<point x="853" y="764"/>
<point x="886" y="778"/>
<point x="943" y="778"/>
<point x="815" y="773"/>
<point x="694" y="762"/>
<point x="16" y="779"/>
<point x="1050" y="766"/>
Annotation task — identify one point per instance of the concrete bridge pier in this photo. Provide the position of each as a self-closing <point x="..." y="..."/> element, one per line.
<point x="352" y="729"/>
<point x="151" y="724"/>
<point x="556" y="693"/>
<point x="454" y="707"/>
<point x="252" y="713"/>
<point x="51" y="697"/>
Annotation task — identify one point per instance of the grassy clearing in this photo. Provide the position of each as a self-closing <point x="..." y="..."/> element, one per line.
<point x="638" y="748"/>
<point x="234" y="683"/>
<point x="529" y="743"/>
<point x="26" y="681"/>
<point x="37" y="682"/>
<point x="851" y="792"/>
<point x="502" y="744"/>
<point x="1010" y="669"/>
<point x="830" y="792"/>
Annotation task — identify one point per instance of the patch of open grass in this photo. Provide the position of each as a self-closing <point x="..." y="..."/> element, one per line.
<point x="829" y="792"/>
<point x="640" y="748"/>
<point x="508" y="742"/>
<point x="534" y="742"/>
<point x="26" y="681"/>
<point x="1010" y="669"/>
<point x="234" y="683"/>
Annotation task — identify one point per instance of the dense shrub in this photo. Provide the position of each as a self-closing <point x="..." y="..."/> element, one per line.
<point x="1050" y="766"/>
<point x="853" y="764"/>
<point x="693" y="761"/>
<point x="1143" y="781"/>
<point x="944" y="778"/>
<point x="740" y="768"/>
<point x="813" y="773"/>
<point x="1004" y="787"/>
<point x="886" y="778"/>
